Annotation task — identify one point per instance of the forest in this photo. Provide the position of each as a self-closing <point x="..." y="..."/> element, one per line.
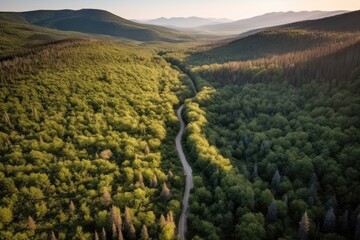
<point x="87" y="150"/>
<point x="275" y="143"/>
<point x="88" y="126"/>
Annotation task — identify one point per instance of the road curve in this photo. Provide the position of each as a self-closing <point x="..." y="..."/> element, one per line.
<point x="188" y="174"/>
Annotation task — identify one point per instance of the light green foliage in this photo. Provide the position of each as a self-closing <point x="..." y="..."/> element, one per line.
<point x="81" y="114"/>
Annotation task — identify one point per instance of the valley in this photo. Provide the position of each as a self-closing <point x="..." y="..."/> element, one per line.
<point x="114" y="129"/>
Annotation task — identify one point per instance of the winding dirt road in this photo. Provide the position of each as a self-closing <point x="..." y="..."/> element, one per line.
<point x="188" y="174"/>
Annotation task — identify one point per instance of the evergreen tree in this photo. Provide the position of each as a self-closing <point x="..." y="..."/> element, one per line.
<point x="53" y="237"/>
<point x="72" y="207"/>
<point x="103" y="235"/>
<point x="154" y="181"/>
<point x="116" y="216"/>
<point x="330" y="221"/>
<point x="165" y="193"/>
<point x="144" y="233"/>
<point x="272" y="212"/>
<point x="255" y="174"/>
<point x="162" y="221"/>
<point x="170" y="175"/>
<point x="129" y="226"/>
<point x="114" y="230"/>
<point x="106" y="198"/>
<point x="96" y="236"/>
<point x="31" y="223"/>
<point x="275" y="182"/>
<point x="304" y="227"/>
<point x="132" y="232"/>
<point x="120" y="235"/>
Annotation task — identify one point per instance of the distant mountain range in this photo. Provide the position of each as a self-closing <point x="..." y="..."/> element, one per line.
<point x="184" y="22"/>
<point x="266" y="20"/>
<point x="282" y="39"/>
<point x="95" y="22"/>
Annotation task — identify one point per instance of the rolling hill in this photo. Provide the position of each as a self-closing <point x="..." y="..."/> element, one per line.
<point x="266" y="20"/>
<point x="15" y="38"/>
<point x="95" y="22"/>
<point x="280" y="40"/>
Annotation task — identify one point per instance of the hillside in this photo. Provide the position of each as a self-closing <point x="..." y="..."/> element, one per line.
<point x="15" y="38"/>
<point x="186" y="22"/>
<point x="92" y="125"/>
<point x="272" y="136"/>
<point x="95" y="22"/>
<point x="106" y="136"/>
<point x="280" y="40"/>
<point x="266" y="20"/>
<point x="348" y="22"/>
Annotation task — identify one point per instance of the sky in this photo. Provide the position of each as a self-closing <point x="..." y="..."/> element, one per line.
<point x="148" y="9"/>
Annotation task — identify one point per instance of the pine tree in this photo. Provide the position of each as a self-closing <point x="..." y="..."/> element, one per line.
<point x="162" y="221"/>
<point x="53" y="237"/>
<point x="130" y="229"/>
<point x="96" y="236"/>
<point x="170" y="217"/>
<point x="154" y="181"/>
<point x="304" y="227"/>
<point x="115" y="215"/>
<point x="170" y="175"/>
<point x="144" y="233"/>
<point x="120" y="235"/>
<point x="140" y="177"/>
<point x="106" y="198"/>
<point x="330" y="221"/>
<point x="114" y="230"/>
<point x="147" y="150"/>
<point x="275" y="182"/>
<point x="72" y="207"/>
<point x="272" y="212"/>
<point x="31" y="223"/>
<point x="132" y="232"/>
<point x="165" y="193"/>
<point x="255" y="174"/>
<point x="103" y="235"/>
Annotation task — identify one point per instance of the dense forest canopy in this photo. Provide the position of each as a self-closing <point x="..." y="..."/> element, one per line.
<point x="87" y="142"/>
<point x="88" y="125"/>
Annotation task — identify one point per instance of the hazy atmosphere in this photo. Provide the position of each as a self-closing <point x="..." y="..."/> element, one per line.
<point x="143" y="9"/>
<point x="179" y="120"/>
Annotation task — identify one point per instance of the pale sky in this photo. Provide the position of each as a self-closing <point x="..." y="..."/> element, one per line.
<point x="146" y="9"/>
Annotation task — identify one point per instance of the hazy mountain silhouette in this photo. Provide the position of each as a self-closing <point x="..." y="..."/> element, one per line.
<point x="266" y="20"/>
<point x="95" y="22"/>
<point x="282" y="39"/>
<point x="185" y="22"/>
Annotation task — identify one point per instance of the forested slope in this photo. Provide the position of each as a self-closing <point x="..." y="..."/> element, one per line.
<point x="273" y="152"/>
<point x="292" y="38"/>
<point x="87" y="143"/>
<point x="275" y="144"/>
<point x="94" y="21"/>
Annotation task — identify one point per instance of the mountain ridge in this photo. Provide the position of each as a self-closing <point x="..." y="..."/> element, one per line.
<point x="184" y="22"/>
<point x="295" y="37"/>
<point x="95" y="21"/>
<point x="267" y="20"/>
